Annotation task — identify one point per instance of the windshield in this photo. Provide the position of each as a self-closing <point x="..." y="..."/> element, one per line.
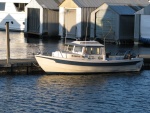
<point x="94" y="50"/>
<point x="70" y="48"/>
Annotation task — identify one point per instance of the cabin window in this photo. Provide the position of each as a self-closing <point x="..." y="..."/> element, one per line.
<point x="20" y="6"/>
<point x="88" y="50"/>
<point x="93" y="50"/>
<point x="70" y="48"/>
<point x="2" y="6"/>
<point x="78" y="49"/>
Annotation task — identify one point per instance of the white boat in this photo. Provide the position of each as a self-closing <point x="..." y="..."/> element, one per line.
<point x="13" y="11"/>
<point x="87" y="57"/>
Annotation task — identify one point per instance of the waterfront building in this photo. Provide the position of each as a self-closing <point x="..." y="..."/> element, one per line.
<point x="142" y="25"/>
<point x="13" y="11"/>
<point x="113" y="22"/>
<point x="74" y="15"/>
<point x="42" y="17"/>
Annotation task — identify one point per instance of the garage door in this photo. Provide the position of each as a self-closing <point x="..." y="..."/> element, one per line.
<point x="145" y="26"/>
<point x="70" y="23"/>
<point x="33" y="20"/>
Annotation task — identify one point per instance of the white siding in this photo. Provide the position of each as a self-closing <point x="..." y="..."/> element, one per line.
<point x="104" y="23"/>
<point x="145" y="26"/>
<point x="10" y="7"/>
<point x="61" y="20"/>
<point x="78" y="19"/>
<point x="34" y="4"/>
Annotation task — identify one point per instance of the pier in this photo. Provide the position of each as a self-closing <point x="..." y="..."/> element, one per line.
<point x="30" y="66"/>
<point x="20" y="66"/>
<point x="146" y="61"/>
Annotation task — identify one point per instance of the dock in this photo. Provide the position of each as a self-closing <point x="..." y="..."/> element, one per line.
<point x="20" y="66"/>
<point x="30" y="66"/>
<point x="146" y="64"/>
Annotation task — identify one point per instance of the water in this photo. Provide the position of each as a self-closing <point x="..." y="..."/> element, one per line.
<point x="22" y="47"/>
<point x="101" y="93"/>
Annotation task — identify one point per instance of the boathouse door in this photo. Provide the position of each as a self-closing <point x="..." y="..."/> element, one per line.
<point x="70" y="23"/>
<point x="33" y="20"/>
<point x="104" y="27"/>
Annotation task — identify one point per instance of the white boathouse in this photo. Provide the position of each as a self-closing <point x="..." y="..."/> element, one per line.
<point x="142" y="26"/>
<point x="13" y="11"/>
<point x="42" y="17"/>
<point x="114" y="22"/>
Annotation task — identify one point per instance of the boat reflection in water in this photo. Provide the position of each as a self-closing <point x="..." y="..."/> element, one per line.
<point x="65" y="82"/>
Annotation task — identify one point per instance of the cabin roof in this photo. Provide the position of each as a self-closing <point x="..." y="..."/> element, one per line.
<point x="86" y="43"/>
<point x="97" y="3"/>
<point x="49" y="4"/>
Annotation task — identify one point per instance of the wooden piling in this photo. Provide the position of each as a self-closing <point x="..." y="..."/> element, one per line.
<point x="8" y="42"/>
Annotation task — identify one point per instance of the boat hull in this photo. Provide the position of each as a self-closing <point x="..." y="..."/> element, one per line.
<point x="62" y="65"/>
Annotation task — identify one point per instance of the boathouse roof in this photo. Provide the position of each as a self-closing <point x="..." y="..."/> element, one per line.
<point x="49" y="4"/>
<point x="123" y="9"/>
<point x="97" y="3"/>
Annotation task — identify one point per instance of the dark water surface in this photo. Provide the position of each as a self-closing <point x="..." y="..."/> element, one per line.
<point x="102" y="93"/>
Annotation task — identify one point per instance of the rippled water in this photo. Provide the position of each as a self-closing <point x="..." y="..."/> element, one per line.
<point x="103" y="93"/>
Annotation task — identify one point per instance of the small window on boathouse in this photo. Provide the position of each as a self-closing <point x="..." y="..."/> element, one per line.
<point x="2" y="6"/>
<point x="20" y="6"/>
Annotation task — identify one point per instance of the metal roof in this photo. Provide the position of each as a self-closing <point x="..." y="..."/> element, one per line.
<point x="86" y="43"/>
<point x="49" y="4"/>
<point x="97" y="3"/>
<point x="122" y="9"/>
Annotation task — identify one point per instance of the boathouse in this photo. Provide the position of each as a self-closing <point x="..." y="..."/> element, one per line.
<point x="42" y="17"/>
<point x="113" y="22"/>
<point x="142" y="26"/>
<point x="74" y="15"/>
<point x="13" y="11"/>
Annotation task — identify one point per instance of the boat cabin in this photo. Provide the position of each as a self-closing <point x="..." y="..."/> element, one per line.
<point x="82" y="49"/>
<point x="86" y="47"/>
